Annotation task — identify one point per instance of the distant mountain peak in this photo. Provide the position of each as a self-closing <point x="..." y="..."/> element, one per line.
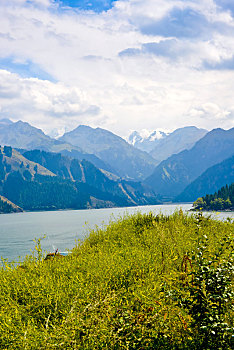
<point x="145" y="139"/>
<point x="218" y="131"/>
<point x="125" y="160"/>
<point x="161" y="144"/>
<point x="83" y="126"/>
<point x="5" y="121"/>
<point x="20" y="122"/>
<point x="78" y="129"/>
<point x="26" y="127"/>
<point x="91" y="133"/>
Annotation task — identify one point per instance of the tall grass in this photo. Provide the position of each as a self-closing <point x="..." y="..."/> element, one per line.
<point x="132" y="285"/>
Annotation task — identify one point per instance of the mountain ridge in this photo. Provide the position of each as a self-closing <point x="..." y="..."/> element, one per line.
<point x="22" y="135"/>
<point x="177" y="141"/>
<point x="161" y="145"/>
<point x="127" y="161"/>
<point x="172" y="176"/>
<point x="68" y="183"/>
<point x="210" y="181"/>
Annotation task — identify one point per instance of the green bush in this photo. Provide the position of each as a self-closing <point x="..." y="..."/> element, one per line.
<point x="210" y="291"/>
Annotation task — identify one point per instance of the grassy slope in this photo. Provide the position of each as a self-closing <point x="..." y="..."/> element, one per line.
<point x="114" y="292"/>
<point x="17" y="159"/>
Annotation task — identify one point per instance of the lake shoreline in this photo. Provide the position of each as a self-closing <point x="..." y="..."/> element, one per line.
<point x="213" y="211"/>
<point x="101" y="208"/>
<point x="65" y="227"/>
<point x="62" y="227"/>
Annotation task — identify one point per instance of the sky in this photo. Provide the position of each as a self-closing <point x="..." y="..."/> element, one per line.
<point x="121" y="65"/>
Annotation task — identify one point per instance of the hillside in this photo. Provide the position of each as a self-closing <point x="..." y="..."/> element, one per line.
<point x="209" y="182"/>
<point x="39" y="180"/>
<point x="85" y="172"/>
<point x="13" y="161"/>
<point x="136" y="284"/>
<point x="173" y="175"/>
<point x="7" y="206"/>
<point x="223" y="199"/>
<point x="126" y="161"/>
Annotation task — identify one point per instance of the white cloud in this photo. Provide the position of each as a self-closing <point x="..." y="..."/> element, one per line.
<point x="43" y="103"/>
<point x="164" y="83"/>
<point x="210" y="111"/>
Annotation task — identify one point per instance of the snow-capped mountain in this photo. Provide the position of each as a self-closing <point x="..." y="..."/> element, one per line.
<point x="146" y="140"/>
<point x="161" y="144"/>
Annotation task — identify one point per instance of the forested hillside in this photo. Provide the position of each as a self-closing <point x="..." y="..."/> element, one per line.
<point x="50" y="181"/>
<point x="7" y="206"/>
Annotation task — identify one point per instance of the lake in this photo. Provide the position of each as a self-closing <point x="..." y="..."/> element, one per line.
<point x="64" y="228"/>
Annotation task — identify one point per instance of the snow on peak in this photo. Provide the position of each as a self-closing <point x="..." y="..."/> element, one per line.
<point x="146" y="139"/>
<point x="145" y="134"/>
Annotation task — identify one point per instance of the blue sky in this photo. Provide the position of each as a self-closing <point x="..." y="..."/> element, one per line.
<point x="25" y="69"/>
<point x="123" y="65"/>
<point x="94" y="5"/>
<point x="227" y="5"/>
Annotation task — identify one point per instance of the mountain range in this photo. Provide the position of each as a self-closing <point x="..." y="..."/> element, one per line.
<point x="39" y="180"/>
<point x="174" y="174"/>
<point x="126" y="160"/>
<point x="22" y="135"/>
<point x="161" y="145"/>
<point x="99" y="168"/>
<point x="210" y="181"/>
<point x="101" y="147"/>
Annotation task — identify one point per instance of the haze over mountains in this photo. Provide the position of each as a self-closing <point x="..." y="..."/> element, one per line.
<point x="97" y="168"/>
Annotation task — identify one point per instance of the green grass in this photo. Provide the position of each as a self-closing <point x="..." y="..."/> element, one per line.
<point x="131" y="285"/>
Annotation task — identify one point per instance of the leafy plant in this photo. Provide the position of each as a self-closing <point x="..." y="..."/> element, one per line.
<point x="210" y="292"/>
